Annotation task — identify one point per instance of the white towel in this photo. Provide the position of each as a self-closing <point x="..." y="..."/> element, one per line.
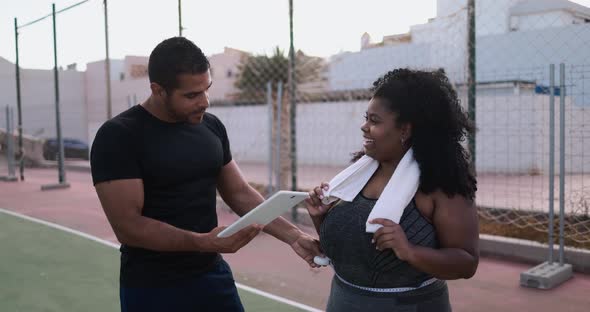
<point x="398" y="192"/>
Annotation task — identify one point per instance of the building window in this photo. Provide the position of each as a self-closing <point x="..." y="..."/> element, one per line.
<point x="229" y="73"/>
<point x="513" y="23"/>
<point x="138" y="71"/>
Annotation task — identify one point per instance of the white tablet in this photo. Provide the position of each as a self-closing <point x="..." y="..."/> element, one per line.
<point x="267" y="211"/>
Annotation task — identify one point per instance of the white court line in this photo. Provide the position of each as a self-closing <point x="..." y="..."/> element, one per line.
<point x="277" y="298"/>
<point x="115" y="245"/>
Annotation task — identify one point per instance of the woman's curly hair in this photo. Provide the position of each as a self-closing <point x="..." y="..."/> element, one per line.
<point x="427" y="101"/>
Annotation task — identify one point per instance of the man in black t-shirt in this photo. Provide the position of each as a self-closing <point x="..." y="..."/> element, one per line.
<point x="156" y="168"/>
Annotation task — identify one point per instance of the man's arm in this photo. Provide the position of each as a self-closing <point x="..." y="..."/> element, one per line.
<point x="241" y="198"/>
<point x="122" y="202"/>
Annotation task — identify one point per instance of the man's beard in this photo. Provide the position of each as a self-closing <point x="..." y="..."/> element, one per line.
<point x="173" y="113"/>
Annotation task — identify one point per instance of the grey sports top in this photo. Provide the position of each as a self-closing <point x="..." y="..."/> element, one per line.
<point x="354" y="257"/>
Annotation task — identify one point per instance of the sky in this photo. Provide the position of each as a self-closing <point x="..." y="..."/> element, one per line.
<point x="321" y="27"/>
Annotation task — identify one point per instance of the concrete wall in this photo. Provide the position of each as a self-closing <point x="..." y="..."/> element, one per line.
<point x="493" y="16"/>
<point x="448" y="7"/>
<point x="326" y="132"/>
<point x="38" y="100"/>
<point x="526" y="55"/>
<point x="359" y="70"/>
<point x="248" y="130"/>
<point x="543" y="20"/>
<point x="512" y="137"/>
<point x="7" y="85"/>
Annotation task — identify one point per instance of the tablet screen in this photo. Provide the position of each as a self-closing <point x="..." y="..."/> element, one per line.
<point x="272" y="208"/>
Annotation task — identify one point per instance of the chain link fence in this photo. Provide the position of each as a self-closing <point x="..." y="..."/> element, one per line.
<point x="515" y="43"/>
<point x="298" y="140"/>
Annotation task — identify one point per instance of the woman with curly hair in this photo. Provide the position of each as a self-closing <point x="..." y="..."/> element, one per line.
<point x="403" y="265"/>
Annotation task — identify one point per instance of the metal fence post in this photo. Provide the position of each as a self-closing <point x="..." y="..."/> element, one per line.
<point x="551" y="157"/>
<point x="549" y="274"/>
<point x="19" y="106"/>
<point x="10" y="142"/>
<point x="270" y="155"/>
<point x="471" y="77"/>
<point x="62" y="174"/>
<point x="562" y="93"/>
<point x="107" y="63"/>
<point x="279" y="131"/>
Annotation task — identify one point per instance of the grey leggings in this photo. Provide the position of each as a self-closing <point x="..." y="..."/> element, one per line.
<point x="431" y="298"/>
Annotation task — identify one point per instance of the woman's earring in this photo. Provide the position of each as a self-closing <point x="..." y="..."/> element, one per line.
<point x="403" y="140"/>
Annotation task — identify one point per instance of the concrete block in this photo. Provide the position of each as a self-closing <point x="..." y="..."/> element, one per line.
<point x="546" y="275"/>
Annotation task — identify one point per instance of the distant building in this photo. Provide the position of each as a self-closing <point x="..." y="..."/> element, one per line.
<point x="387" y="40"/>
<point x="38" y="100"/>
<point x="224" y="70"/>
<point x="83" y="101"/>
<point x="514" y="39"/>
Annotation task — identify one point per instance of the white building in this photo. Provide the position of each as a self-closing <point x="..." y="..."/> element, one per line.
<point x="224" y="71"/>
<point x="514" y="37"/>
<point x="38" y="100"/>
<point x="516" y="41"/>
<point x="532" y="15"/>
<point x="83" y="103"/>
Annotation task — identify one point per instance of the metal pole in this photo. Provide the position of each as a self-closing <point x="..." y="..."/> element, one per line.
<point x="10" y="142"/>
<point x="50" y="14"/>
<point x="561" y="158"/>
<point x="21" y="152"/>
<point x="292" y="86"/>
<point x="279" y="132"/>
<point x="60" y="145"/>
<point x="179" y="18"/>
<point x="550" y="274"/>
<point x="107" y="63"/>
<point x="18" y="107"/>
<point x="270" y="114"/>
<point x="551" y="157"/>
<point x="471" y="76"/>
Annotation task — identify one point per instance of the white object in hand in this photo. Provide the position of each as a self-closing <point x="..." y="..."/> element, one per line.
<point x="323" y="261"/>
<point x="267" y="211"/>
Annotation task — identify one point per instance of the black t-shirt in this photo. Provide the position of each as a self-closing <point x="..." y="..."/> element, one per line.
<point x="179" y="164"/>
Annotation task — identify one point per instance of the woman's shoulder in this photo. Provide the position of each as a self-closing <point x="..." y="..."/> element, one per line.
<point x="439" y="195"/>
<point x="427" y="203"/>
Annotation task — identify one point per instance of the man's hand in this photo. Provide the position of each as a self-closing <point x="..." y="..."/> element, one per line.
<point x="307" y="247"/>
<point x="211" y="243"/>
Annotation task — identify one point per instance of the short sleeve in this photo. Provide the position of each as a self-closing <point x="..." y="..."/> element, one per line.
<point x="217" y="126"/>
<point x="113" y="155"/>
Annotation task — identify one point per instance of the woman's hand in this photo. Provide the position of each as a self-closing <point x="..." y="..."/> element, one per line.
<point x="314" y="204"/>
<point x="391" y="235"/>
